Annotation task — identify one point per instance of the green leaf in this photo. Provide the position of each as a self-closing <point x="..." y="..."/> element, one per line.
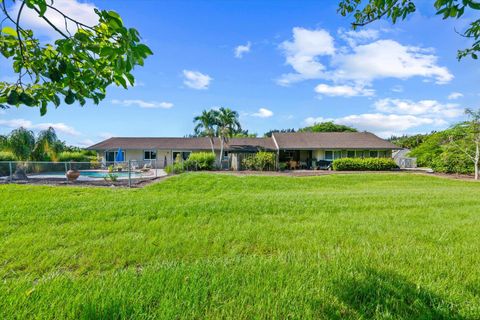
<point x="10" y="31"/>
<point x="43" y="108"/>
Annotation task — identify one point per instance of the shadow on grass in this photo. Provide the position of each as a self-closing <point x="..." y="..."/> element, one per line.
<point x="379" y="294"/>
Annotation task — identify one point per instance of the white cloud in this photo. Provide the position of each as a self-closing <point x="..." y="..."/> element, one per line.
<point x="384" y="125"/>
<point x="430" y="108"/>
<point x="302" y="54"/>
<point x="196" y="80"/>
<point x="27" y="124"/>
<point x="144" y="104"/>
<point x="357" y="63"/>
<point x="455" y="95"/>
<point x="387" y="59"/>
<point x="355" y="37"/>
<point x="263" y="113"/>
<point x="344" y="90"/>
<point x="78" y="10"/>
<point x="242" y="49"/>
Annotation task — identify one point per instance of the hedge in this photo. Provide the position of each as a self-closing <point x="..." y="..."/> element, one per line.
<point x="175" y="168"/>
<point x="76" y="156"/>
<point x="261" y="161"/>
<point x="367" y="164"/>
<point x="200" y="161"/>
<point x="6" y="156"/>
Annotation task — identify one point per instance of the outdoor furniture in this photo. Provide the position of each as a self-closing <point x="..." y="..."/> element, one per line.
<point x="303" y="165"/>
<point x="324" y="164"/>
<point x="292" y="164"/>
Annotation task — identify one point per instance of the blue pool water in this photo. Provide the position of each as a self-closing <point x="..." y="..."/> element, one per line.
<point x="90" y="174"/>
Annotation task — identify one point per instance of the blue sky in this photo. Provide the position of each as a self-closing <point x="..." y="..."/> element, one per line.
<point x="280" y="64"/>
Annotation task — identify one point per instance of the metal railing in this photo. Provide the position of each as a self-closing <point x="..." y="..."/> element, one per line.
<point x="94" y="172"/>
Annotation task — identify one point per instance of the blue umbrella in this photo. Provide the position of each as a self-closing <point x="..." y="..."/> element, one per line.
<point x="119" y="157"/>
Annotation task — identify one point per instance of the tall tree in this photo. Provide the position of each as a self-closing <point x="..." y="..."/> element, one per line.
<point x="47" y="146"/>
<point x="21" y="143"/>
<point x="367" y="11"/>
<point x="468" y="136"/>
<point x="328" y="126"/>
<point x="205" y="125"/>
<point x="80" y="65"/>
<point x="227" y="125"/>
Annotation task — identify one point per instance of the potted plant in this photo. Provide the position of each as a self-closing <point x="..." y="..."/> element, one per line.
<point x="72" y="175"/>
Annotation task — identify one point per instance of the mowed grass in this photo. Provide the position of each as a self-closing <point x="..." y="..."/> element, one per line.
<point x="385" y="246"/>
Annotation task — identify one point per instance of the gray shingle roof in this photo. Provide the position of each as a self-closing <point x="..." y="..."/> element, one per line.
<point x="299" y="140"/>
<point x="331" y="140"/>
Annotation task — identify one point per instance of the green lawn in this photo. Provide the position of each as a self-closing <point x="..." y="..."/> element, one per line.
<point x="387" y="246"/>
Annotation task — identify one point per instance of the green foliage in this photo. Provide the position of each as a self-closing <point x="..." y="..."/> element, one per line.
<point x="367" y="11"/>
<point x="21" y="143"/>
<point x="77" y="66"/>
<point x="366" y="164"/>
<point x="260" y="161"/>
<point x="218" y="246"/>
<point x="327" y="127"/>
<point x="7" y="156"/>
<point x="269" y="133"/>
<point x="175" y="168"/>
<point x="446" y="151"/>
<point x="409" y="142"/>
<point x="200" y="161"/>
<point x="25" y="146"/>
<point x="78" y="156"/>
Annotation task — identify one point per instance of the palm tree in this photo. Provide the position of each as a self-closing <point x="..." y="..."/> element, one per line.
<point x="227" y="125"/>
<point x="47" y="145"/>
<point x="205" y="125"/>
<point x="21" y="143"/>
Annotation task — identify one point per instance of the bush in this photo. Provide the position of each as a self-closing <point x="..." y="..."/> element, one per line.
<point x="77" y="156"/>
<point x="200" y="161"/>
<point x="6" y="156"/>
<point x="367" y="164"/>
<point x="175" y="168"/>
<point x="261" y="161"/>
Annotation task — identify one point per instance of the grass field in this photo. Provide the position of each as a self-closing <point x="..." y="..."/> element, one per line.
<point x="386" y="246"/>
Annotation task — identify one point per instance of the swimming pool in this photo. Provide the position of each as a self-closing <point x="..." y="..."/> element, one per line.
<point x="88" y="174"/>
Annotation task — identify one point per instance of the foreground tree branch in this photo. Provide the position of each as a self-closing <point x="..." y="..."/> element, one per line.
<point x="75" y="68"/>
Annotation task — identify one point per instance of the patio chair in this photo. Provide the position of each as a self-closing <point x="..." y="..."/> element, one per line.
<point x="292" y="164"/>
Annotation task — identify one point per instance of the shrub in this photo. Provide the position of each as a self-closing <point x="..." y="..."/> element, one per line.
<point x="261" y="161"/>
<point x="367" y="164"/>
<point x="77" y="156"/>
<point x="6" y="156"/>
<point x="200" y="161"/>
<point x="175" y="168"/>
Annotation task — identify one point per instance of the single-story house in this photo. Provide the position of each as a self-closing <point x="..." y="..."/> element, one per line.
<point x="304" y="148"/>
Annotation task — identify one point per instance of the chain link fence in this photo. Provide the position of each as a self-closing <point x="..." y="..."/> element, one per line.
<point x="127" y="173"/>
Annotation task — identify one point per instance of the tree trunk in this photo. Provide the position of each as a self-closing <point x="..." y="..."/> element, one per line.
<point x="477" y="158"/>
<point x="211" y="143"/>
<point x="221" y="152"/>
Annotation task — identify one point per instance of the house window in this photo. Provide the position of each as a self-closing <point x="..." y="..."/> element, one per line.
<point x="110" y="156"/>
<point x="381" y="154"/>
<point x="351" y="154"/>
<point x="225" y="154"/>
<point x="337" y="154"/>
<point x="328" y="155"/>
<point x="149" y="155"/>
<point x="359" y="154"/>
<point x="373" y="154"/>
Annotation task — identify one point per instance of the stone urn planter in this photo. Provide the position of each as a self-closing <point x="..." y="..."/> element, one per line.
<point x="72" y="175"/>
